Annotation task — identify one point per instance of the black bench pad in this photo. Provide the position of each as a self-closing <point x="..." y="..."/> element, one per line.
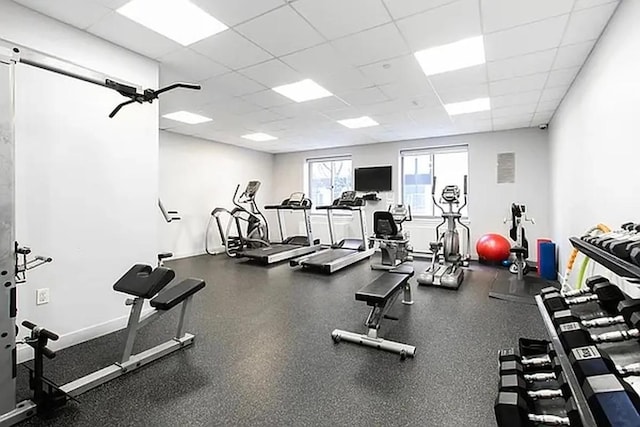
<point x="143" y="281"/>
<point x="381" y="289"/>
<point x="173" y="296"/>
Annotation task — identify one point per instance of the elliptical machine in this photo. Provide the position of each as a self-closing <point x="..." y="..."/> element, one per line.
<point x="256" y="229"/>
<point x="517" y="234"/>
<point x="392" y="240"/>
<point x="447" y="261"/>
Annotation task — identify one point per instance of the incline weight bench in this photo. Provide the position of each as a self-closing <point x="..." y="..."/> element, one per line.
<point x="380" y="294"/>
<point x="142" y="282"/>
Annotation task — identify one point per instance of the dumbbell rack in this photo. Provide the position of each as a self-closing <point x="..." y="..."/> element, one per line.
<point x="581" y="402"/>
<point x="617" y="265"/>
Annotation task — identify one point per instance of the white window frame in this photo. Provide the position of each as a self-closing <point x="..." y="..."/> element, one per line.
<point x="308" y="164"/>
<point x="431" y="151"/>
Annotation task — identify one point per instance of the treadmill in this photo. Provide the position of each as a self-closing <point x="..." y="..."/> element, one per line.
<point x="345" y="252"/>
<point x="290" y="247"/>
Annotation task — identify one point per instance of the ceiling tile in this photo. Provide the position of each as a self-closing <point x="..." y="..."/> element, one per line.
<point x="472" y="76"/>
<point x="237" y="11"/>
<point x="112" y="4"/>
<point x="446" y="24"/>
<point x="480" y="116"/>
<point x="234" y="84"/>
<point x="521" y="98"/>
<point x="585" y="4"/>
<point x="409" y="89"/>
<point x="514" y="110"/>
<point x="548" y="105"/>
<point x="337" y="18"/>
<point x="272" y="73"/>
<point x="366" y="96"/>
<point x="393" y="70"/>
<point x="372" y="45"/>
<point x="402" y="8"/>
<point x="267" y="99"/>
<point x="191" y="65"/>
<point x="525" y="39"/>
<point x="587" y="24"/>
<point x="542" y="117"/>
<point x="345" y="81"/>
<point x="463" y="93"/>
<point x="553" y="94"/>
<point x="562" y="77"/>
<point x="513" y="122"/>
<point x="500" y="15"/>
<point x="79" y="13"/>
<point x="261" y="116"/>
<point x="280" y="32"/>
<point x="124" y="32"/>
<point x="320" y="60"/>
<point x="573" y="55"/>
<point x="231" y="49"/>
<point x="522" y="65"/>
<point x="231" y="105"/>
<point x="518" y="84"/>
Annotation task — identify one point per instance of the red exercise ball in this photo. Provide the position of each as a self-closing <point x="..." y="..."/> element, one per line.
<point x="493" y="248"/>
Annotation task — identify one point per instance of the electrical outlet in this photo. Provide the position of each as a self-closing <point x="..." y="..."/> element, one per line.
<point x="42" y="296"/>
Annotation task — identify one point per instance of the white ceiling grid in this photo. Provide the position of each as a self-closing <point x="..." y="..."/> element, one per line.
<point x="362" y="52"/>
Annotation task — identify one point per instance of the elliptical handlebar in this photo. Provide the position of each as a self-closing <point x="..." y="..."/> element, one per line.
<point x="465" y="193"/>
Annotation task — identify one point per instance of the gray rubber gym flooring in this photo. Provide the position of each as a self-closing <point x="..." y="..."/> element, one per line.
<point x="264" y="356"/>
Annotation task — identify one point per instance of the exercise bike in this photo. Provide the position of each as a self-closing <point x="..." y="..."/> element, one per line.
<point x="392" y="240"/>
<point x="521" y="249"/>
<point x="447" y="261"/>
<point x="251" y="228"/>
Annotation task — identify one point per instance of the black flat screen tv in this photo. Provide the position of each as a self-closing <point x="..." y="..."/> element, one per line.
<point x="373" y="178"/>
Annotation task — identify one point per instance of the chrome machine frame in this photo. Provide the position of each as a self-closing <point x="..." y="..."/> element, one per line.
<point x="11" y="268"/>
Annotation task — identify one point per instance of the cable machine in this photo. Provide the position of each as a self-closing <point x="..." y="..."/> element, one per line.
<point x="14" y="260"/>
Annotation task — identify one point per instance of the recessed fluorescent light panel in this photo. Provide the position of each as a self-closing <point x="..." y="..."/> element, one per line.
<point x="454" y="56"/>
<point x="360" y="122"/>
<point x="187" y="117"/>
<point x="305" y="90"/>
<point x="259" y="137"/>
<point x="179" y="20"/>
<point x="473" y="106"/>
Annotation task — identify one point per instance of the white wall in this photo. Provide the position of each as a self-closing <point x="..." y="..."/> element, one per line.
<point x="594" y="135"/>
<point x="489" y="202"/>
<point x="196" y="176"/>
<point x="86" y="185"/>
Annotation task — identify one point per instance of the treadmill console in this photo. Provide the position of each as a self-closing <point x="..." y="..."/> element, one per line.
<point x="297" y="199"/>
<point x="348" y="198"/>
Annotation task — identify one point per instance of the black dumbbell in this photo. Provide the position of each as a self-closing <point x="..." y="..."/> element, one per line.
<point x="625" y="310"/>
<point x="605" y="294"/>
<point x="634" y="256"/>
<point x="574" y="335"/>
<point x="528" y="363"/>
<point x="587" y="288"/>
<point x="624" y="238"/>
<point x="598" y="240"/>
<point x="513" y="382"/>
<point x="589" y="361"/>
<point x="513" y="410"/>
<point x="514" y="367"/>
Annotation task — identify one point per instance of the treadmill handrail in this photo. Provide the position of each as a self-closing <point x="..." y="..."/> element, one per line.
<point x="286" y="207"/>
<point x="343" y="208"/>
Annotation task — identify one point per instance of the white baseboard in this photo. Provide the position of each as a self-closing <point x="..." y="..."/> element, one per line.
<point x="25" y="352"/>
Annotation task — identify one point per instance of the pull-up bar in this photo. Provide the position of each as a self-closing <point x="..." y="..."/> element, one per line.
<point x="64" y="68"/>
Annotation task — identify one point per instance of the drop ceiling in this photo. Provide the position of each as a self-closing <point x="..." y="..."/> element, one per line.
<point x="362" y="52"/>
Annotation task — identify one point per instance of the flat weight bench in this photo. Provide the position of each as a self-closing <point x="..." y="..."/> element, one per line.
<point x="143" y="282"/>
<point x="381" y="294"/>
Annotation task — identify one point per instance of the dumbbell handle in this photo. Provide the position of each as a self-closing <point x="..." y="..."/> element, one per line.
<point x="633" y="369"/>
<point x="581" y="300"/>
<point x="540" y="376"/>
<point x="544" y="394"/>
<point x="575" y="292"/>
<point x="616" y="336"/>
<point x="603" y="321"/>
<point x="550" y="420"/>
<point x="536" y="361"/>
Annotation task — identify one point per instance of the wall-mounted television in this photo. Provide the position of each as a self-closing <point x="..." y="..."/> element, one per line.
<point x="373" y="178"/>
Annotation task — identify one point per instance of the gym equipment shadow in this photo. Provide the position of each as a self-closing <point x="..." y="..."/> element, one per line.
<point x="507" y="287"/>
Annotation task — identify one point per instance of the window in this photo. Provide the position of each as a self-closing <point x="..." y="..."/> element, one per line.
<point x="328" y="178"/>
<point x="449" y="165"/>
